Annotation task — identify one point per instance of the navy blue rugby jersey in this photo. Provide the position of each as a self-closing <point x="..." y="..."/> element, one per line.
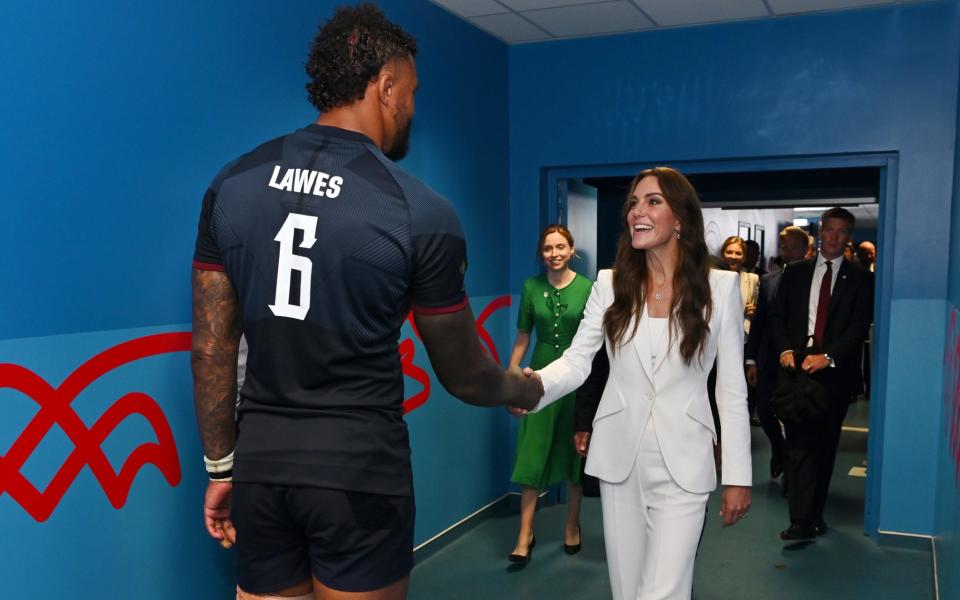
<point x="329" y="245"/>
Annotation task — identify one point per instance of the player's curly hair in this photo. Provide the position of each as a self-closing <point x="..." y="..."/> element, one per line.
<point x="349" y="51"/>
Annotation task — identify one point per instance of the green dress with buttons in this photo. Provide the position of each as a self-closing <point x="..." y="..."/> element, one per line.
<point x="545" y="452"/>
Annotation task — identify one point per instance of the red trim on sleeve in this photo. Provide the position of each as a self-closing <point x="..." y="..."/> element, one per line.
<point x="442" y="310"/>
<point x="207" y="266"/>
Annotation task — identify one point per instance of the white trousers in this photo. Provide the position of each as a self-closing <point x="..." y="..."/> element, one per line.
<point x="651" y="528"/>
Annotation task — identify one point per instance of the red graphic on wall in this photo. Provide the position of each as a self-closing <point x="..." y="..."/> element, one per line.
<point x="951" y="394"/>
<point x="55" y="409"/>
<point x="408" y="353"/>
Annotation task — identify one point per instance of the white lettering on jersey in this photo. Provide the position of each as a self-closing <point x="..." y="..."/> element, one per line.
<point x="334" y="190"/>
<point x="302" y="180"/>
<point x="290" y="262"/>
<point x="321" y="183"/>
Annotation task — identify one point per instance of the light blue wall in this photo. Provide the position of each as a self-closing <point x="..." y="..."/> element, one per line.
<point x="947" y="518"/>
<point x="947" y="522"/>
<point x="880" y="80"/>
<point x="117" y="115"/>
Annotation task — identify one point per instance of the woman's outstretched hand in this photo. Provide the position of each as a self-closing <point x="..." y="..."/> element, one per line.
<point x="532" y="375"/>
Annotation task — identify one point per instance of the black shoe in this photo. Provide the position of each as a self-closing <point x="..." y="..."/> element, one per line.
<point x="574" y="548"/>
<point x="819" y="527"/>
<point x="797" y="531"/>
<point x="523" y="559"/>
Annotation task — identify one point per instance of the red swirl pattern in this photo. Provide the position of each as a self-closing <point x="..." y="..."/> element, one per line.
<point x="55" y="409"/>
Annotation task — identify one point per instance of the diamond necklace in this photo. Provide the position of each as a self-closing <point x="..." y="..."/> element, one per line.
<point x="659" y="295"/>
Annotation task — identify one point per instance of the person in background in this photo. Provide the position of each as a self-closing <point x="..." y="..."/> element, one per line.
<point x="665" y="315"/>
<point x="760" y="357"/>
<point x="849" y="251"/>
<point x="732" y="251"/>
<point x="819" y="321"/>
<point x="751" y="259"/>
<point x="552" y="304"/>
<point x="867" y="256"/>
<point x="811" y="247"/>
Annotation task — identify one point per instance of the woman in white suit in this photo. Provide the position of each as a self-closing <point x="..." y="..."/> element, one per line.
<point x="665" y="316"/>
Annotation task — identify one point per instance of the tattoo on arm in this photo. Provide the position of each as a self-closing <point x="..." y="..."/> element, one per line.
<point x="216" y="338"/>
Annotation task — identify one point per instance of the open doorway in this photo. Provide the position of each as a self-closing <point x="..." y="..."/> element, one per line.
<point x="755" y="205"/>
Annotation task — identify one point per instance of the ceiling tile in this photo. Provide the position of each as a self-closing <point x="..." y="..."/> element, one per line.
<point x="686" y="12"/>
<point x="472" y="8"/>
<point x="782" y="7"/>
<point x="519" y="5"/>
<point x="509" y="27"/>
<point x="590" y="19"/>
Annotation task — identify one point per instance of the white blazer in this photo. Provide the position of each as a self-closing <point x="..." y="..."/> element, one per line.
<point x="749" y="292"/>
<point x="674" y="393"/>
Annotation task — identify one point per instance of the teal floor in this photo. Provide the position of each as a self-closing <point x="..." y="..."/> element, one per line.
<point x="743" y="562"/>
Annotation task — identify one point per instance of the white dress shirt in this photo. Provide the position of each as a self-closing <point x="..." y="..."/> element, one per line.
<point x="818" y="273"/>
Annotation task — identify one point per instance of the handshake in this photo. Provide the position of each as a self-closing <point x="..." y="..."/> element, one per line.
<point x="524" y="390"/>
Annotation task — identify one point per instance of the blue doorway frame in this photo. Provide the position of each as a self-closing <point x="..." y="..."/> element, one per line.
<point x="553" y="208"/>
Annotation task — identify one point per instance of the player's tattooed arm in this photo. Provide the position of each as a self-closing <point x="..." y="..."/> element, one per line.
<point x="216" y="338"/>
<point x="465" y="371"/>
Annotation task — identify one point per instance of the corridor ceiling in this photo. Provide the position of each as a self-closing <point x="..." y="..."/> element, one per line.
<point x="518" y="21"/>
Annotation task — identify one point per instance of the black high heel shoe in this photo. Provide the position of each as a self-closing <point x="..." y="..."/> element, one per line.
<point x="574" y="548"/>
<point x="522" y="559"/>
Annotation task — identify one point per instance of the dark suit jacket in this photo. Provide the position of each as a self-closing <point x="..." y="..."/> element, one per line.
<point x="848" y="321"/>
<point x="588" y="396"/>
<point x="759" y="347"/>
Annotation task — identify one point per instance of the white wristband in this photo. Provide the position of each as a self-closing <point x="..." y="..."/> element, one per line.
<point x="219" y="465"/>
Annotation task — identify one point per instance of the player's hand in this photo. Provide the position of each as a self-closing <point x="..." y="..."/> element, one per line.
<point x="216" y="513"/>
<point x="581" y="442"/>
<point x="751" y="373"/>
<point x="531" y="391"/>
<point x="787" y="361"/>
<point x="750" y="310"/>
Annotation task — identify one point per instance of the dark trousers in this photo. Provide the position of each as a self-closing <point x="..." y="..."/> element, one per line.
<point x="712" y="397"/>
<point x="766" y="385"/>
<point x="811" y="454"/>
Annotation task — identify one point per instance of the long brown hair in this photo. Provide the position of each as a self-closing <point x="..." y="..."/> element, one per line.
<point x="692" y="303"/>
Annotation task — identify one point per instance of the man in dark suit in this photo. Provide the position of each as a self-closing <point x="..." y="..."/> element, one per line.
<point x="751" y="259"/>
<point x="822" y="311"/>
<point x="761" y="359"/>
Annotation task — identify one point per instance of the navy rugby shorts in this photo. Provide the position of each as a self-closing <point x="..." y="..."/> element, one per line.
<point x="349" y="541"/>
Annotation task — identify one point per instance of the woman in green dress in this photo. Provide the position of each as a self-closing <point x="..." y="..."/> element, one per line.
<point x="552" y="304"/>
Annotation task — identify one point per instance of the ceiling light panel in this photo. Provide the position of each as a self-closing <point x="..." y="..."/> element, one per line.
<point x="520" y="5"/>
<point x="472" y="8"/>
<point x="590" y="19"/>
<point x="783" y="7"/>
<point x="668" y="13"/>
<point x="509" y="27"/>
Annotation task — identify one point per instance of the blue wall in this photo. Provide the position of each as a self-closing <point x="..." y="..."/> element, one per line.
<point x="117" y="116"/>
<point x="947" y="530"/>
<point x="875" y="80"/>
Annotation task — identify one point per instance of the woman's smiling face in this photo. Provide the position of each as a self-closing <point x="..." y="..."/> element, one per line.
<point x="652" y="223"/>
<point x="556" y="251"/>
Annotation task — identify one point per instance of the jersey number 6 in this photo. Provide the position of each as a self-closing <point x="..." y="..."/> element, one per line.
<point x="290" y="262"/>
